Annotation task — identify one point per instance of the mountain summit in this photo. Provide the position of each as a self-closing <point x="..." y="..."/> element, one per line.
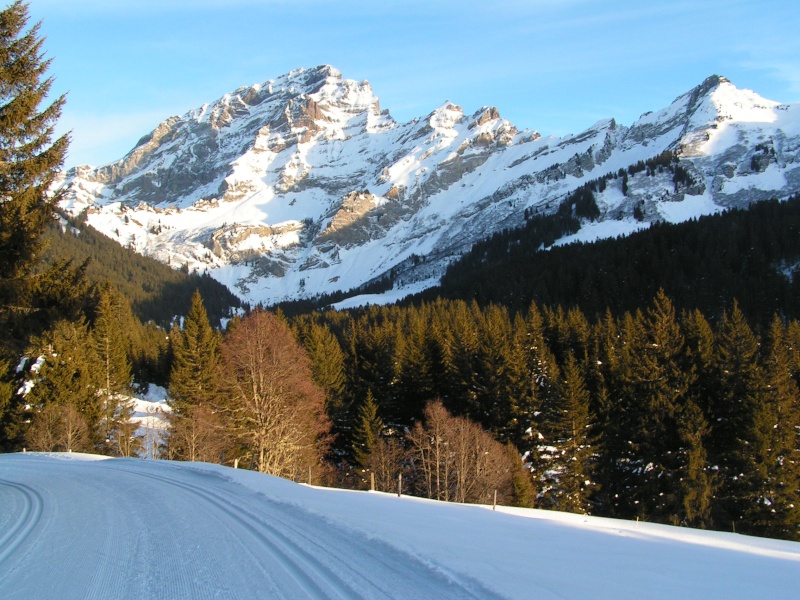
<point x="302" y="185"/>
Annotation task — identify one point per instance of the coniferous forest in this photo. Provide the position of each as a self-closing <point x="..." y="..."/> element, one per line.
<point x="655" y="377"/>
<point x="750" y="255"/>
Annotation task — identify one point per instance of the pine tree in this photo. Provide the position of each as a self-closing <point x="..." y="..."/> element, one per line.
<point x="656" y="380"/>
<point x="774" y="478"/>
<point x="195" y="359"/>
<point x="500" y="371"/>
<point x="696" y="483"/>
<point x="738" y="397"/>
<point x="110" y="334"/>
<point x="63" y="401"/>
<point x="194" y="387"/>
<point x="367" y="431"/>
<point x="29" y="163"/>
<point x="566" y="451"/>
<point x="327" y="366"/>
<point x="462" y="357"/>
<point x="414" y="382"/>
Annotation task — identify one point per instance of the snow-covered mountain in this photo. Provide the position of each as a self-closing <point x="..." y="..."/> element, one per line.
<point x="303" y="185"/>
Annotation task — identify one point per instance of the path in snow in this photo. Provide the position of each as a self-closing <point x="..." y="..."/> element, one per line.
<point x="151" y="529"/>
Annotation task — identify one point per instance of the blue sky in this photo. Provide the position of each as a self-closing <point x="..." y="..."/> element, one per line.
<point x="555" y="66"/>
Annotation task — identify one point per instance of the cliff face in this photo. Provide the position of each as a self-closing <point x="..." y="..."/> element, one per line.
<point x="303" y="185"/>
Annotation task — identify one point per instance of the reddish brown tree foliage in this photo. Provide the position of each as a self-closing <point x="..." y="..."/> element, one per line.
<point x="458" y="461"/>
<point x="275" y="409"/>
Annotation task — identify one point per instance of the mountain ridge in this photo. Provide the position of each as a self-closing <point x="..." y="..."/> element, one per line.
<point x="303" y="185"/>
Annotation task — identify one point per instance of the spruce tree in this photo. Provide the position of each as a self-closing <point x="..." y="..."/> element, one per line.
<point x="64" y="386"/>
<point x="655" y="382"/>
<point x="29" y="163"/>
<point x="367" y="431"/>
<point x="111" y="336"/>
<point x="566" y="450"/>
<point x="327" y="366"/>
<point x="462" y="357"/>
<point x="738" y="398"/>
<point x="195" y="351"/>
<point x="696" y="483"/>
<point x="499" y="371"/>
<point x="194" y="382"/>
<point x="774" y="478"/>
<point x="414" y="381"/>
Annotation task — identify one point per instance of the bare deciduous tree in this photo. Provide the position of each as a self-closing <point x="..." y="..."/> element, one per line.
<point x="58" y="428"/>
<point x="198" y="434"/>
<point x="274" y="408"/>
<point x="386" y="461"/>
<point x="457" y="460"/>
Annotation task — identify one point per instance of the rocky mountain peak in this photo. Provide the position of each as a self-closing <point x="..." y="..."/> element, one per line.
<point x="303" y="185"/>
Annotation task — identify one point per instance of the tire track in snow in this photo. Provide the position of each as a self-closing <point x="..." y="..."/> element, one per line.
<point x="294" y="560"/>
<point x="28" y="519"/>
<point x="400" y="574"/>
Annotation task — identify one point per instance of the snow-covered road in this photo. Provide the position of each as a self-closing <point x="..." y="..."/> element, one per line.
<point x="136" y="529"/>
<point x="74" y="526"/>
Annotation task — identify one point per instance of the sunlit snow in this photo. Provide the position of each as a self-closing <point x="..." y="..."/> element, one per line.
<point x="130" y="528"/>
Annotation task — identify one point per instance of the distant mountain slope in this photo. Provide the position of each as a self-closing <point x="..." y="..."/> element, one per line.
<point x="156" y="291"/>
<point x="302" y="185"/>
<point x="752" y="256"/>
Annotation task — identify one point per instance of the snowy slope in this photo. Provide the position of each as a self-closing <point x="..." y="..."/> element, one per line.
<point x="72" y="526"/>
<point x="303" y="185"/>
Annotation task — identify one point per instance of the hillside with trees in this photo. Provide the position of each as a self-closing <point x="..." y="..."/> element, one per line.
<point x="156" y="291"/>
<point x="750" y="255"/>
<point x="654" y="414"/>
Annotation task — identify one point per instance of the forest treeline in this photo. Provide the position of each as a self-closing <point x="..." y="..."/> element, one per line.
<point x="654" y="414"/>
<point x="748" y="254"/>
<point x="156" y="291"/>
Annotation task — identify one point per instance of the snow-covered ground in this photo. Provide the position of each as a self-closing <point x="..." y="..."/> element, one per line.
<point x="72" y="526"/>
<point x="151" y="414"/>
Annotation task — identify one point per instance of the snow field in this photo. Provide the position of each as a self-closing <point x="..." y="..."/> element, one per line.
<point x="131" y="528"/>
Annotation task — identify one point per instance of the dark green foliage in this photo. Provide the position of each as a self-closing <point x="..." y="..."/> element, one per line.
<point x="69" y="376"/>
<point x="113" y="325"/>
<point x="367" y="431"/>
<point x="29" y="162"/>
<point x="581" y="204"/>
<point x="327" y="366"/>
<point x="667" y="418"/>
<point x="776" y="506"/>
<point x="156" y="292"/>
<point x="194" y="386"/>
<point x="745" y="254"/>
<point x="31" y="300"/>
<point x="564" y="456"/>
<point x="195" y="359"/>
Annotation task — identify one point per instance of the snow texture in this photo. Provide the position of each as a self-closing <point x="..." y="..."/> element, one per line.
<point x="74" y="526"/>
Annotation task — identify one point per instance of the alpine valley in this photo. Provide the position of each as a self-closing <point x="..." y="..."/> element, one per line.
<point x="303" y="186"/>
